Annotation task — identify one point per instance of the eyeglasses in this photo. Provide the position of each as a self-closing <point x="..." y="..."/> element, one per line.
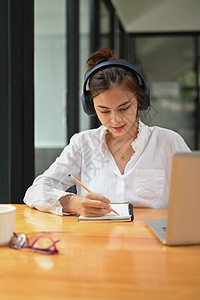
<point x="42" y="244"/>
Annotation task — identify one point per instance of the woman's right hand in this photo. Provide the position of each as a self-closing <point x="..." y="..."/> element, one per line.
<point x="89" y="205"/>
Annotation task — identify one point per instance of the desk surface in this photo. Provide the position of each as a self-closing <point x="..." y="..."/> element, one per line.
<point x="98" y="261"/>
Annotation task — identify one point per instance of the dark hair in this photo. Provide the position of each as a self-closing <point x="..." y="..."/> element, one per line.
<point x="109" y="77"/>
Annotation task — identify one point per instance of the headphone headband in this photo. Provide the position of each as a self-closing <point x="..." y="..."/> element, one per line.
<point x="86" y="97"/>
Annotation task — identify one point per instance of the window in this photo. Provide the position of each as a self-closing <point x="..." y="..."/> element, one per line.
<point x="50" y="81"/>
<point x="167" y="63"/>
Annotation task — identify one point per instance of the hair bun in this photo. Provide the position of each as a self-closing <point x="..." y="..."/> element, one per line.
<point x="101" y="55"/>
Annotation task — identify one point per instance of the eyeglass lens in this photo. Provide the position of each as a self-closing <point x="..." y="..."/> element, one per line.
<point x="19" y="241"/>
<point x="44" y="244"/>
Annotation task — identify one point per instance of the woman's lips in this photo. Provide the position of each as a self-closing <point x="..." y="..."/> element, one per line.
<point x="119" y="128"/>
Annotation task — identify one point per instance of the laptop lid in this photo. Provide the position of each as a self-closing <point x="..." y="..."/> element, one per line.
<point x="182" y="226"/>
<point x="183" y="221"/>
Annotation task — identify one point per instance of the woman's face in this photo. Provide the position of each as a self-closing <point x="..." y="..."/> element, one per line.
<point x="116" y="109"/>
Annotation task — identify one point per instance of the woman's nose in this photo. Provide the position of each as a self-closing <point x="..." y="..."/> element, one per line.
<point x="115" y="117"/>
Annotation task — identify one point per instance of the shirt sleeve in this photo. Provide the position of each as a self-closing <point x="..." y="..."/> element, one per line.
<point x="48" y="188"/>
<point x="179" y="145"/>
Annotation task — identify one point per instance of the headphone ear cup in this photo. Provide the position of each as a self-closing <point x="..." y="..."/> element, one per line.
<point x="87" y="103"/>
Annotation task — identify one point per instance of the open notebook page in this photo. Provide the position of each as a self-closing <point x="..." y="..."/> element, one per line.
<point x="124" y="210"/>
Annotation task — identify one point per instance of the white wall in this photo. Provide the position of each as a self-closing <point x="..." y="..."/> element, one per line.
<point x="158" y="15"/>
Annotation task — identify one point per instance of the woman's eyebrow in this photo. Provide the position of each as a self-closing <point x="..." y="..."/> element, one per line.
<point x="126" y="102"/>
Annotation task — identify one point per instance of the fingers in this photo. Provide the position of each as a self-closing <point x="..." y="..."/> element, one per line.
<point x="94" y="205"/>
<point x="96" y="201"/>
<point x="93" y="212"/>
<point x="94" y="196"/>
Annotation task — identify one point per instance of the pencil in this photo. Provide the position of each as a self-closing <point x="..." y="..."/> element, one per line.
<point x="83" y="186"/>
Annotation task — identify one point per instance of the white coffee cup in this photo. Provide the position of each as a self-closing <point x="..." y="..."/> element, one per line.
<point x="7" y="223"/>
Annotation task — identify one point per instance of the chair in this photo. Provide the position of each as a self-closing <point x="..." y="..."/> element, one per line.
<point x="72" y="189"/>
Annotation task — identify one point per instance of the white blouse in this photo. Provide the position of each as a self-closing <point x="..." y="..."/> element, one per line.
<point x="145" y="182"/>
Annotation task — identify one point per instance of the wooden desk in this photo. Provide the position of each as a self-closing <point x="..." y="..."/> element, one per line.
<point x="98" y="261"/>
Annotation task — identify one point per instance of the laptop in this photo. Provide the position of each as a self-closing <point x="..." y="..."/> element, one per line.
<point x="182" y="226"/>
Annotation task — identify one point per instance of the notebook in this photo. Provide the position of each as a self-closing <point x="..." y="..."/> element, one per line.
<point x="182" y="226"/>
<point x="125" y="211"/>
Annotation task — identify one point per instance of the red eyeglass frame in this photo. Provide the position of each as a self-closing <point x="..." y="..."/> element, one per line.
<point x="23" y="242"/>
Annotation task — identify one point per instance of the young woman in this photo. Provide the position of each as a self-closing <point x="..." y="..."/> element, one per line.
<point x="123" y="160"/>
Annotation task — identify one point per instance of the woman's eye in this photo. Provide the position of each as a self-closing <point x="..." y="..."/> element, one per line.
<point x="125" y="108"/>
<point x="107" y="111"/>
<point x="104" y="112"/>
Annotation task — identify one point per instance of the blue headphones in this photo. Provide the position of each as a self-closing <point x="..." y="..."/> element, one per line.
<point x="86" y="97"/>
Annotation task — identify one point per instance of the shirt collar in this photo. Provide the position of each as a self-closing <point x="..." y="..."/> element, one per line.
<point x="136" y="144"/>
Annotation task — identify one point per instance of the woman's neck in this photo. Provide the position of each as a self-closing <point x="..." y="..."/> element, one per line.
<point x="129" y="136"/>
